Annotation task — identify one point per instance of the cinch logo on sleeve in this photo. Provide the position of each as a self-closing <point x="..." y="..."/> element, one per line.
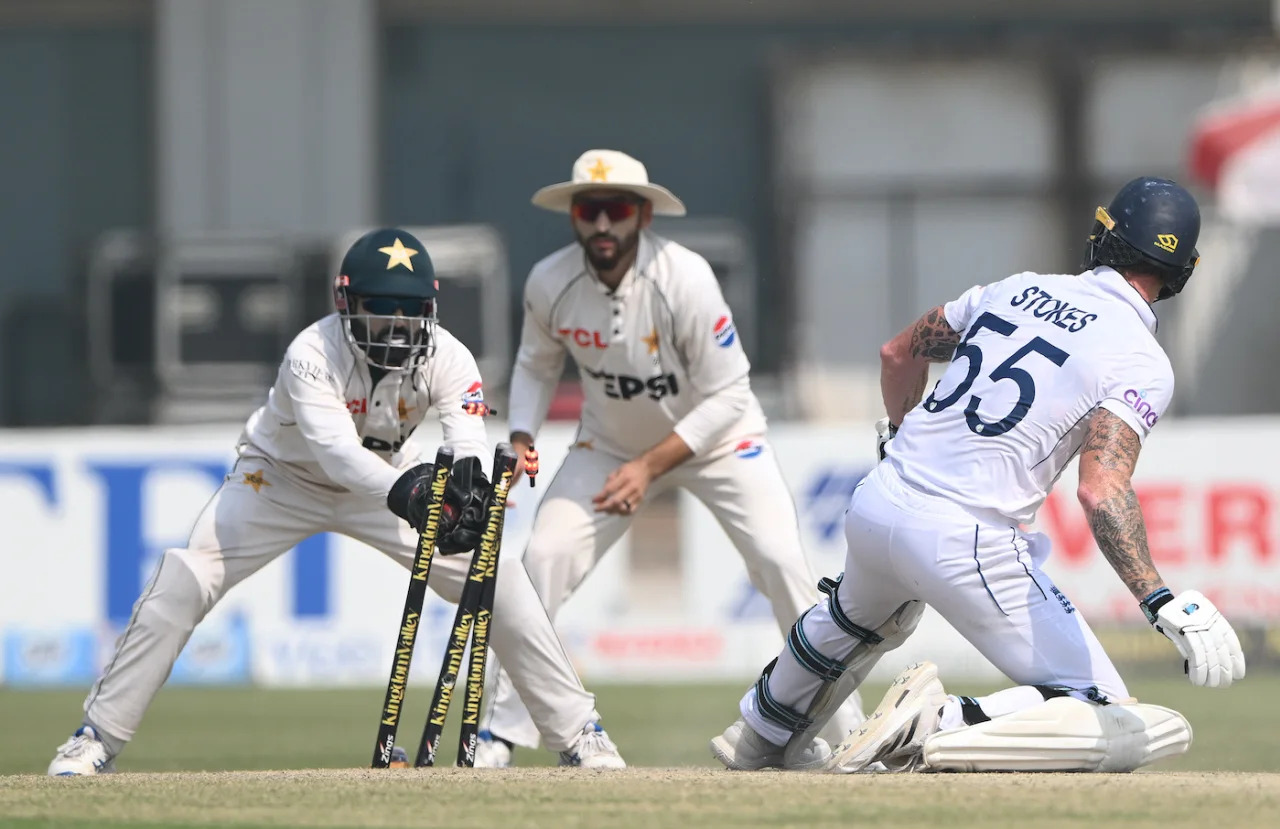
<point x="748" y="449"/>
<point x="475" y="394"/>
<point x="724" y="332"/>
<point x="1137" y="400"/>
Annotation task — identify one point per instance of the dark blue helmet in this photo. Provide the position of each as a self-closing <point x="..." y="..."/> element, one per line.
<point x="1152" y="222"/>
<point x="386" y="291"/>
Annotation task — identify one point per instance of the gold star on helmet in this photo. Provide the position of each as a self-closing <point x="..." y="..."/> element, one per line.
<point x="398" y="254"/>
<point x="599" y="171"/>
<point x="651" y="341"/>
<point x="403" y="409"/>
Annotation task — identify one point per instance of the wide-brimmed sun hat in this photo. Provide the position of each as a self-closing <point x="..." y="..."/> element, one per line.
<point x="608" y="170"/>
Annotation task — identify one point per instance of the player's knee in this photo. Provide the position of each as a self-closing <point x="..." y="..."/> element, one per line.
<point x="780" y="576"/>
<point x="177" y="597"/>
<point x="542" y="552"/>
<point x="778" y="555"/>
<point x="1063" y="734"/>
<point x="1140" y="734"/>
<point x="555" y="569"/>
<point x="205" y="566"/>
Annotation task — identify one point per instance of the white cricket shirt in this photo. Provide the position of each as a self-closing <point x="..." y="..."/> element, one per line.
<point x="330" y="425"/>
<point x="1038" y="354"/>
<point x="659" y="353"/>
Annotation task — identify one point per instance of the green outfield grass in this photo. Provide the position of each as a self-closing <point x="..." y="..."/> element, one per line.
<point x="661" y="727"/>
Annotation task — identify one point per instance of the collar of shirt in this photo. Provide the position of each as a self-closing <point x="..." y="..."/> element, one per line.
<point x="1116" y="285"/>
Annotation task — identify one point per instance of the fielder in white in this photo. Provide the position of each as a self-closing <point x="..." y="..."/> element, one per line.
<point x="1043" y="368"/>
<point x="330" y="451"/>
<point x="668" y="403"/>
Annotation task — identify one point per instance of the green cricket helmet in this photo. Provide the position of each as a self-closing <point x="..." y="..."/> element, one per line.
<point x="386" y="292"/>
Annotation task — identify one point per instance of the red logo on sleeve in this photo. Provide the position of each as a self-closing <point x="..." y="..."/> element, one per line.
<point x="473" y="401"/>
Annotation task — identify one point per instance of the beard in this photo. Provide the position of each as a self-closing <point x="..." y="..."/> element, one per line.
<point x="607" y="258"/>
<point x="394" y="346"/>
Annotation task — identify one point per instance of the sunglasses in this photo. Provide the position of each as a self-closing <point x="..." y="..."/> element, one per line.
<point x="387" y="306"/>
<point x="588" y="210"/>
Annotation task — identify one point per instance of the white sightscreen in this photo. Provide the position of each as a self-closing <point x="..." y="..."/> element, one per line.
<point x="855" y="123"/>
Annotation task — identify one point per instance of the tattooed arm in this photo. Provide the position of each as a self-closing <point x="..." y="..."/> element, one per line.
<point x="904" y="361"/>
<point x="1107" y="460"/>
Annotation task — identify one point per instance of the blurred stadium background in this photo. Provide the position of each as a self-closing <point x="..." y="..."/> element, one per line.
<point x="180" y="175"/>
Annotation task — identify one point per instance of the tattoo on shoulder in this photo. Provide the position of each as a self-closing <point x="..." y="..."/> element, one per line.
<point x="933" y="338"/>
<point x="1111" y="442"/>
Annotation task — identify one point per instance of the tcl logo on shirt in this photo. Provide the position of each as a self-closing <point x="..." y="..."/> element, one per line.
<point x="360" y="406"/>
<point x="625" y="387"/>
<point x="583" y="337"/>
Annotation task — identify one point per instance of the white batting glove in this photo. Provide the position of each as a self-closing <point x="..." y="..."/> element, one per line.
<point x="884" y="433"/>
<point x="1210" y="649"/>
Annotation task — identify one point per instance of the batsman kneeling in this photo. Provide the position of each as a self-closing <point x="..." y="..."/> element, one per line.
<point x="1042" y="367"/>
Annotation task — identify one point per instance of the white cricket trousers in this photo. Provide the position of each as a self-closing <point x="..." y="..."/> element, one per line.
<point x="983" y="577"/>
<point x="747" y="495"/>
<point x="259" y="512"/>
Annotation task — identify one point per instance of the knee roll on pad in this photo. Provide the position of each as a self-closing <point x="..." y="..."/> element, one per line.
<point x="831" y="587"/>
<point x="1063" y="734"/>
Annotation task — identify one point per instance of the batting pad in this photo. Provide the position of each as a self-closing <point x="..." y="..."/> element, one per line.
<point x="861" y="659"/>
<point x="1063" y="734"/>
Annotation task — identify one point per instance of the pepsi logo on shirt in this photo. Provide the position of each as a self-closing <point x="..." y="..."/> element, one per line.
<point x="724" y="332"/>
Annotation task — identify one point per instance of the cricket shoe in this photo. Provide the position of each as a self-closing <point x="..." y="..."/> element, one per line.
<point x="492" y="752"/>
<point x="741" y="748"/>
<point x="593" y="750"/>
<point x="894" y="735"/>
<point x="83" y="754"/>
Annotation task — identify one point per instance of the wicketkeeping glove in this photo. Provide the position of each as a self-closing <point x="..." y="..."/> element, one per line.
<point x="466" y="501"/>
<point x="462" y="516"/>
<point x="884" y="433"/>
<point x="1210" y="649"/>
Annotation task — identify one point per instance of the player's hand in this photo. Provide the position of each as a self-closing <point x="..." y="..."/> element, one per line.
<point x="1211" y="652"/>
<point x="884" y="433"/>
<point x="624" y="489"/>
<point x="462" y="515"/>
<point x="526" y="461"/>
